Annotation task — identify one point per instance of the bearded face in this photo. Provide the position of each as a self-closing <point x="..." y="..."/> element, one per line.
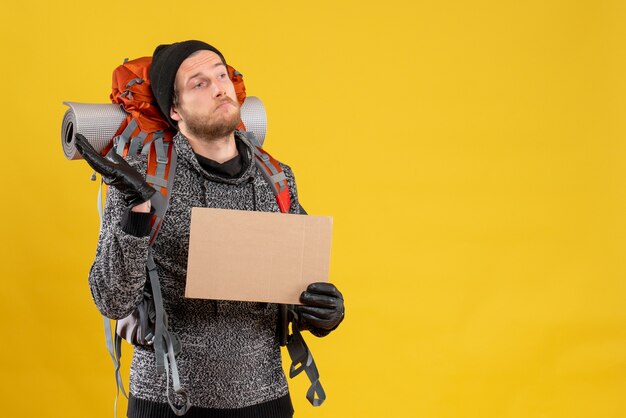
<point x="206" y="106"/>
<point x="214" y="123"/>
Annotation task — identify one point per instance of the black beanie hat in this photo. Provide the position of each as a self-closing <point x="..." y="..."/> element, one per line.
<point x="165" y="62"/>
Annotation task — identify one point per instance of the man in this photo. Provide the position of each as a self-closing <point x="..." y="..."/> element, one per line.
<point x="230" y="360"/>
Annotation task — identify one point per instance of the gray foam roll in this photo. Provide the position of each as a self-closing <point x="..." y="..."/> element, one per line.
<point x="97" y="122"/>
<point x="254" y="117"/>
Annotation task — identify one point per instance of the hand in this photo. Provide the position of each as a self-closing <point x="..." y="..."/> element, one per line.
<point x="116" y="172"/>
<point x="322" y="310"/>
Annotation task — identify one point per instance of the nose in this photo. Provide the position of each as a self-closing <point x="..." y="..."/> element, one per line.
<point x="219" y="89"/>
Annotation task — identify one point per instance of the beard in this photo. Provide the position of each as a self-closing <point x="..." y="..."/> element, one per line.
<point x="214" y="126"/>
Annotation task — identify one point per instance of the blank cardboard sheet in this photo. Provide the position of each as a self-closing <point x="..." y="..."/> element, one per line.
<point x="256" y="256"/>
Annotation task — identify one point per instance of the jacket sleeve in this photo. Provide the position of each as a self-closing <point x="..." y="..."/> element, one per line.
<point x="118" y="274"/>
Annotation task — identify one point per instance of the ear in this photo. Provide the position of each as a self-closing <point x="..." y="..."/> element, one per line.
<point x="174" y="114"/>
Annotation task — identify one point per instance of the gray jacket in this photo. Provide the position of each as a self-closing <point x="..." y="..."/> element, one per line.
<point x="230" y="353"/>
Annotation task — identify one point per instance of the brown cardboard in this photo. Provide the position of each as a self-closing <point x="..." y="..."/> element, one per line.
<point x="256" y="256"/>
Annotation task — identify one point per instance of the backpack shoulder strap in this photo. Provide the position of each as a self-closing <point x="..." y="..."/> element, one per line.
<point x="302" y="360"/>
<point x="272" y="172"/>
<point x="299" y="353"/>
<point x="160" y="174"/>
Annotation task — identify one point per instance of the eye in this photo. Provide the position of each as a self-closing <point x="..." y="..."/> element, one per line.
<point x="222" y="76"/>
<point x="199" y="85"/>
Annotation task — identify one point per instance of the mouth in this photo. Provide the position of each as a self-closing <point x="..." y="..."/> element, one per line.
<point x="224" y="103"/>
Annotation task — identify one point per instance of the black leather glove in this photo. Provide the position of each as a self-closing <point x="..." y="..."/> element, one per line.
<point x="322" y="310"/>
<point x="116" y="172"/>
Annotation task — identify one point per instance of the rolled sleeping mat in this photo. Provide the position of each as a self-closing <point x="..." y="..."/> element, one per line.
<point x="99" y="123"/>
<point x="254" y="117"/>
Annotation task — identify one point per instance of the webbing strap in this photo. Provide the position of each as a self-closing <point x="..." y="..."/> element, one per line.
<point x="301" y="359"/>
<point x="131" y="83"/>
<point x="250" y="136"/>
<point x="164" y="347"/>
<point x="266" y="159"/>
<point x="112" y="340"/>
<point x="161" y="148"/>
<point x="134" y="81"/>
<point x="159" y="202"/>
<point x="118" y="374"/>
<point x="156" y="181"/>
<point x="100" y="206"/>
<point x="279" y="177"/>
<point x="166" y="344"/>
<point x="275" y="178"/>
<point x="160" y="320"/>
<point x="136" y="143"/>
<point x="114" y="347"/>
<point x="171" y="359"/>
<point x="146" y="147"/>
<point x="123" y="138"/>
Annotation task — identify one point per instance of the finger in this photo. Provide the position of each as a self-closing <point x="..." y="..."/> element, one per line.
<point x="97" y="163"/>
<point x="323" y="288"/>
<point x="324" y="301"/>
<point x="83" y="145"/>
<point x="117" y="159"/>
<point x="91" y="156"/>
<point x="318" y="323"/>
<point x="320" y="313"/>
<point x="122" y="167"/>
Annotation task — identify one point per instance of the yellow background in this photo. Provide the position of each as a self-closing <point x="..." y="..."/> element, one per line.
<point x="471" y="153"/>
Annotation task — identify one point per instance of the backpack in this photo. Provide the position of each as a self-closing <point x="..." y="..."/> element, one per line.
<point x="145" y="130"/>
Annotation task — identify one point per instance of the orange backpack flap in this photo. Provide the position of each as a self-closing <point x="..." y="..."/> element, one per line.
<point x="131" y="89"/>
<point x="237" y="78"/>
<point x="240" y="90"/>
